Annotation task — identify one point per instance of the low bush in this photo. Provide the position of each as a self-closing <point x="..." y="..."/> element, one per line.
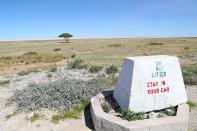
<point x="186" y="48"/>
<point x="77" y="64"/>
<point x="190" y="74"/>
<point x="23" y="73"/>
<point x="49" y="75"/>
<point x="56" y="49"/>
<point x="73" y="55"/>
<point x="30" y="53"/>
<point x="59" y="95"/>
<point x="35" y="117"/>
<point x="111" y="69"/>
<point x="191" y="104"/>
<point x="53" y="69"/>
<point x="95" y="69"/>
<point x="130" y="115"/>
<point x="4" y="82"/>
<point x="155" y="43"/>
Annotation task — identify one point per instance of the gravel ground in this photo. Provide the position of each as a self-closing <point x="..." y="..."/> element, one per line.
<point x="20" y="123"/>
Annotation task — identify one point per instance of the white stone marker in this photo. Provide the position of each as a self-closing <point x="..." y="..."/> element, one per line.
<point x="148" y="83"/>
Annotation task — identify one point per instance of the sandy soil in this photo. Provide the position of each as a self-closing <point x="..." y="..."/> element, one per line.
<point x="20" y="123"/>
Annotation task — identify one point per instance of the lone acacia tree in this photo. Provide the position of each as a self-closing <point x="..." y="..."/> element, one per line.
<point x="66" y="36"/>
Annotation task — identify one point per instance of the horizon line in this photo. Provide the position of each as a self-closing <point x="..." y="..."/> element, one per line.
<point x="32" y="39"/>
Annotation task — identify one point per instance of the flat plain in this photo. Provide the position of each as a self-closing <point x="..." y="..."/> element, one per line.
<point x="100" y="51"/>
<point x="17" y="56"/>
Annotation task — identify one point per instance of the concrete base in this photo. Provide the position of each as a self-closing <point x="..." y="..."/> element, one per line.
<point x="107" y="122"/>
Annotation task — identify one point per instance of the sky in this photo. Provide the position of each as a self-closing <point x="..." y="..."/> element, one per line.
<point x="39" y="19"/>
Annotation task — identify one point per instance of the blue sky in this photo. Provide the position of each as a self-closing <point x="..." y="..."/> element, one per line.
<point x="35" y="19"/>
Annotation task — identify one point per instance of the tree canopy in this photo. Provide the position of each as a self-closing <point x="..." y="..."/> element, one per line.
<point x="66" y="36"/>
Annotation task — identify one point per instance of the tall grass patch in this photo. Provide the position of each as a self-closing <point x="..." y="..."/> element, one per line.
<point x="78" y="63"/>
<point x="95" y="69"/>
<point x="111" y="69"/>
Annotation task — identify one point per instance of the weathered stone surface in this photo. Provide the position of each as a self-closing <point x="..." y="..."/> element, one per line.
<point x="150" y="83"/>
<point x="108" y="122"/>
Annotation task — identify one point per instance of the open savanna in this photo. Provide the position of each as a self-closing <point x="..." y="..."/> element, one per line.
<point x="16" y="56"/>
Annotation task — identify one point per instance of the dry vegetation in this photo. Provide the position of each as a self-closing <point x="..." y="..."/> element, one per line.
<point x="14" y="54"/>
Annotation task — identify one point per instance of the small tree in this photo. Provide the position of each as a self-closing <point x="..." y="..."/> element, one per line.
<point x="66" y="36"/>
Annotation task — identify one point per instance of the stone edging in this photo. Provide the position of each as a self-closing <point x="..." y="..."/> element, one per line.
<point x="107" y="122"/>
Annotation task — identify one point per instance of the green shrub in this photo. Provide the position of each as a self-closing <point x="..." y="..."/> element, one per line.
<point x="53" y="69"/>
<point x="56" y="49"/>
<point x="190" y="74"/>
<point x="73" y="112"/>
<point x="22" y="73"/>
<point x="155" y="43"/>
<point x="130" y="115"/>
<point x="191" y="68"/>
<point x="111" y="69"/>
<point x="33" y="70"/>
<point x="55" y="119"/>
<point x="95" y="69"/>
<point x="30" y="53"/>
<point x="191" y="104"/>
<point x="77" y="64"/>
<point x="73" y="55"/>
<point x="49" y="75"/>
<point x="35" y="117"/>
<point x="4" y="82"/>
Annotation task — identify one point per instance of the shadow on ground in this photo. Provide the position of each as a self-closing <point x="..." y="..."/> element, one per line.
<point x="88" y="118"/>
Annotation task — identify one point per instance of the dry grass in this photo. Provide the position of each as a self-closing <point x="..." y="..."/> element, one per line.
<point x="96" y="51"/>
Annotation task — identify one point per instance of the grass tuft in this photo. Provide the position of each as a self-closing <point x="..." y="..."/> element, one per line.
<point x="73" y="112"/>
<point x="49" y="75"/>
<point x="95" y="69"/>
<point x="190" y="74"/>
<point x="53" y="69"/>
<point x="73" y="55"/>
<point x="23" y="73"/>
<point x="191" y="104"/>
<point x="130" y="115"/>
<point x="77" y="64"/>
<point x="56" y="49"/>
<point x="35" y="117"/>
<point x="4" y="82"/>
<point x="111" y="69"/>
<point x="8" y="116"/>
